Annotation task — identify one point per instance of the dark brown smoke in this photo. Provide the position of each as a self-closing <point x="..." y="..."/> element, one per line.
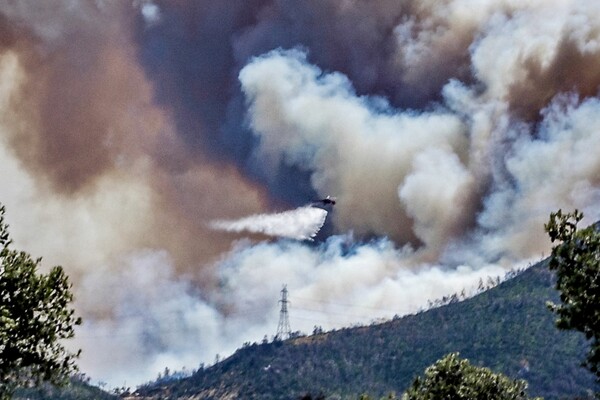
<point x="74" y="111"/>
<point x="571" y="70"/>
<point x="124" y="135"/>
<point x="85" y="114"/>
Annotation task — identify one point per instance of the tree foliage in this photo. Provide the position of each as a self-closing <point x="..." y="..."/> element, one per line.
<point x="34" y="318"/>
<point x="576" y="260"/>
<point x="455" y="378"/>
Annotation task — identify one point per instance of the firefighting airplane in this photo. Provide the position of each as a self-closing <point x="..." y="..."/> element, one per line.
<point x="327" y="201"/>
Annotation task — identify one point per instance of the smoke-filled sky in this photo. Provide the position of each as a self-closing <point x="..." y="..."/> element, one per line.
<point x="448" y="130"/>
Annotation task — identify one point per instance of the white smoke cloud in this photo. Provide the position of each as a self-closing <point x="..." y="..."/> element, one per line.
<point x="469" y="181"/>
<point x="358" y="147"/>
<point x="379" y="279"/>
<point x="302" y="223"/>
<point x="436" y="195"/>
<point x="554" y="168"/>
<point x="148" y="319"/>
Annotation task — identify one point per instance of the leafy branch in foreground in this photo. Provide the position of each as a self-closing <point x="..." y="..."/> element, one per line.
<point x="455" y="378"/>
<point x="34" y="319"/>
<point x="576" y="260"/>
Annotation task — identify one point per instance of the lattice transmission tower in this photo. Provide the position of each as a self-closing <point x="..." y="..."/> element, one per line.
<point x="283" y="328"/>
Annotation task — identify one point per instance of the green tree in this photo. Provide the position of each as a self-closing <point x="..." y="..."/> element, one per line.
<point x="34" y="318"/>
<point x="455" y="378"/>
<point x="576" y="260"/>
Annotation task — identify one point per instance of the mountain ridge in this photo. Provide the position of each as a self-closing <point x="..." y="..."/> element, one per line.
<point x="507" y="328"/>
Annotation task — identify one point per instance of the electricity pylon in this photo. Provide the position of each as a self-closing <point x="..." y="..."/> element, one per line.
<point x="283" y="328"/>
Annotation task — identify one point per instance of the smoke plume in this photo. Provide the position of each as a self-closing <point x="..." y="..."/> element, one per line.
<point x="302" y="223"/>
<point x="448" y="130"/>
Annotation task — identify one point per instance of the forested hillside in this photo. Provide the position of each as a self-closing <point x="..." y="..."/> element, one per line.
<point x="78" y="389"/>
<point x="507" y="328"/>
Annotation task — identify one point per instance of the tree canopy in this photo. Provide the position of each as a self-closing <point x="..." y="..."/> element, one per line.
<point x="455" y="378"/>
<point x="576" y="260"/>
<point x="34" y="319"/>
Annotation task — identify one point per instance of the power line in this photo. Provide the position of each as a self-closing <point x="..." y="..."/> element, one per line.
<point x="345" y="305"/>
<point x="347" y="316"/>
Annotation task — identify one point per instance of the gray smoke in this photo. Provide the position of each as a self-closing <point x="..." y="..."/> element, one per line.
<point x="448" y="130"/>
<point x="363" y="157"/>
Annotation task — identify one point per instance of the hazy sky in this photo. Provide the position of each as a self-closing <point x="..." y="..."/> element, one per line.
<point x="129" y="130"/>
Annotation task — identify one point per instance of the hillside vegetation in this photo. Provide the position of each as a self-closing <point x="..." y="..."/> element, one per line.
<point x="78" y="389"/>
<point x="508" y="329"/>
